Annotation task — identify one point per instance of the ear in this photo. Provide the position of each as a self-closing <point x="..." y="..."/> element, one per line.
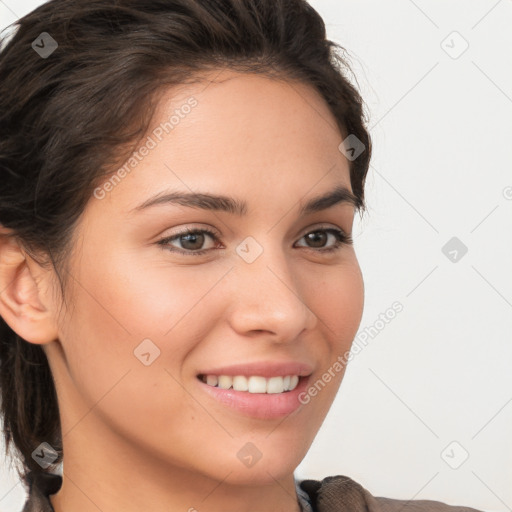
<point x="26" y="303"/>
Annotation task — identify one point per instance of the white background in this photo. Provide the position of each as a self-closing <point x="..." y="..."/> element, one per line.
<point x="440" y="371"/>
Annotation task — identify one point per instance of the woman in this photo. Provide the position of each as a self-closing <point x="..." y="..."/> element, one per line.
<point x="179" y="184"/>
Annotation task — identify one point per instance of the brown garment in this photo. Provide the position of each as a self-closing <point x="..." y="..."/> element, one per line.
<point x="332" y="494"/>
<point x="341" y="494"/>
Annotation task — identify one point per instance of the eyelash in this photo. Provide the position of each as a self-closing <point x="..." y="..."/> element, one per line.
<point x="341" y="239"/>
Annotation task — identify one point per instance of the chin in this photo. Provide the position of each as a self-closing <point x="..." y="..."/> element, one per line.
<point x="252" y="466"/>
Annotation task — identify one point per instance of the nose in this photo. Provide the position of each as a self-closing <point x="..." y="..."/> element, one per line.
<point x="268" y="296"/>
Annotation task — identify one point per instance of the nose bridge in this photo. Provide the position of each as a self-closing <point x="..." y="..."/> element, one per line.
<point x="267" y="295"/>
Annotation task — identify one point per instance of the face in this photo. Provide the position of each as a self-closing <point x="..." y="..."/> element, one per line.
<point x="267" y="291"/>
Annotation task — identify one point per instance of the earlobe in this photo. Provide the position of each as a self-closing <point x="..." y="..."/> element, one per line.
<point x="22" y="297"/>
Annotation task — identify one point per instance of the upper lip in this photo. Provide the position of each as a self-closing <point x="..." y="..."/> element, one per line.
<point x="265" y="369"/>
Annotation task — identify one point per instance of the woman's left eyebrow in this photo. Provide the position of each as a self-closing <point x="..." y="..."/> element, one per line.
<point x="206" y="201"/>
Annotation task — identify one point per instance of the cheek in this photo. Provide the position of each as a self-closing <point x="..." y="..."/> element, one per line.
<point x="129" y="310"/>
<point x="129" y="299"/>
<point x="338" y="302"/>
<point x="337" y="299"/>
<point x="109" y="378"/>
<point x="153" y="299"/>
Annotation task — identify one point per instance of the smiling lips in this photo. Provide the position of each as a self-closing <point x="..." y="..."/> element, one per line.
<point x="264" y="390"/>
<point x="253" y="384"/>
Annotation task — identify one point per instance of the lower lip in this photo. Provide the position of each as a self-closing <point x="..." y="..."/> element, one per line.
<point x="259" y="405"/>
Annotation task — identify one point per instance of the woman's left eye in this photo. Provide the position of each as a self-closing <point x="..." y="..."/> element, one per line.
<point x="322" y="234"/>
<point x="193" y="239"/>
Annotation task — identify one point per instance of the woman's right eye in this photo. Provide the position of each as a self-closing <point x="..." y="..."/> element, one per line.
<point x="191" y="238"/>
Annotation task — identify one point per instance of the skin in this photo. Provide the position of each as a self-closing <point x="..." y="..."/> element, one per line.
<point x="142" y="437"/>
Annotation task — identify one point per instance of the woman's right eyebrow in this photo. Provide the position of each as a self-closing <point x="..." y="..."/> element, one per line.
<point x="206" y="201"/>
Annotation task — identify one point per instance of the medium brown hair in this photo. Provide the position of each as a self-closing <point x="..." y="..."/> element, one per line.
<point x="65" y="118"/>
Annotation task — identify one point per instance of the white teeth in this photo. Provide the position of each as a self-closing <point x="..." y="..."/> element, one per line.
<point x="257" y="385"/>
<point x="225" y="381"/>
<point x="211" y="380"/>
<point x="254" y="383"/>
<point x="240" y="383"/>
<point x="275" y="385"/>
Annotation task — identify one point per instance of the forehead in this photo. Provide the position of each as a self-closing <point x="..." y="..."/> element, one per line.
<point x="248" y="133"/>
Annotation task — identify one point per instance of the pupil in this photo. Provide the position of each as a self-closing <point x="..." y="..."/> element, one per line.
<point x="192" y="237"/>
<point x="317" y="236"/>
